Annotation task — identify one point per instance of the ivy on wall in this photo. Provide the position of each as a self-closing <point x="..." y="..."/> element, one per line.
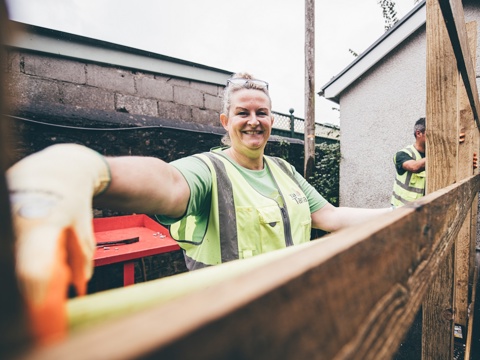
<point x="326" y="176"/>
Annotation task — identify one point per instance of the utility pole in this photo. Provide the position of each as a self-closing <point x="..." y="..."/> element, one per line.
<point x="309" y="130"/>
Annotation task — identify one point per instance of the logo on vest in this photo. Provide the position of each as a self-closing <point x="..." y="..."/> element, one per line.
<point x="298" y="197"/>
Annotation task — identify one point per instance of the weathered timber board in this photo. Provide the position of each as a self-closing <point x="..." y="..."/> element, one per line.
<point x="352" y="295"/>
<point x="452" y="11"/>
<point x="441" y="170"/>
<point x="463" y="250"/>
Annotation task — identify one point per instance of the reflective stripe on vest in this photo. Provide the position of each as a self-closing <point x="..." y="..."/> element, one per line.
<point x="409" y="186"/>
<point x="242" y="222"/>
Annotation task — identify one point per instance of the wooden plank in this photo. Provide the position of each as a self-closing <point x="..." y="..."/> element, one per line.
<point x="452" y="11"/>
<point x="352" y="295"/>
<point x="309" y="132"/>
<point x="471" y="319"/>
<point x="473" y="269"/>
<point x="441" y="103"/>
<point x="468" y="130"/>
<point x="462" y="263"/>
<point x="441" y="153"/>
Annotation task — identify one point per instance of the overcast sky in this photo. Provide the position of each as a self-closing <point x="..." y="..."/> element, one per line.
<point x="263" y="37"/>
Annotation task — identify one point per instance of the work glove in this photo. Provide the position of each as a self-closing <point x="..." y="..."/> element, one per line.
<point x="51" y="196"/>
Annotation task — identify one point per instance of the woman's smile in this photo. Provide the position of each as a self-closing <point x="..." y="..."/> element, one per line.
<point x="253" y="132"/>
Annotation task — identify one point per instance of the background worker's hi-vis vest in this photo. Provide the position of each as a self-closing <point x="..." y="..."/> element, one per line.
<point x="409" y="186"/>
<point x="242" y="222"/>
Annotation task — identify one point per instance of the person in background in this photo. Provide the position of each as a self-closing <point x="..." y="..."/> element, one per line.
<point x="231" y="203"/>
<point x="409" y="163"/>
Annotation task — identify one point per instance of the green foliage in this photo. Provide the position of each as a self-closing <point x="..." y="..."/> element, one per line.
<point x="283" y="149"/>
<point x="389" y="12"/>
<point x="326" y="176"/>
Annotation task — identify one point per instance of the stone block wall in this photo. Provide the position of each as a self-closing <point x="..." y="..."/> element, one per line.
<point x="41" y="77"/>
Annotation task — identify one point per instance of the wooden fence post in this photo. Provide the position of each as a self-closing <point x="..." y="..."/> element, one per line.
<point x="309" y="88"/>
<point x="468" y="132"/>
<point x="452" y="135"/>
<point x="471" y="269"/>
<point x="441" y="153"/>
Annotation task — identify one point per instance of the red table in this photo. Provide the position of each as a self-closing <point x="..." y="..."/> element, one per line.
<point x="153" y="239"/>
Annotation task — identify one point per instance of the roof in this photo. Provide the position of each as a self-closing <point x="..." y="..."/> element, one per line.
<point x="376" y="52"/>
<point x="59" y="43"/>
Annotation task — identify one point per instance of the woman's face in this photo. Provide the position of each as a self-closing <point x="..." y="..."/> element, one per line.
<point x="249" y="121"/>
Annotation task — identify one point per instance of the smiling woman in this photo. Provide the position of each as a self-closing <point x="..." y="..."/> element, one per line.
<point x="249" y="121"/>
<point x="229" y="203"/>
<point x="237" y="191"/>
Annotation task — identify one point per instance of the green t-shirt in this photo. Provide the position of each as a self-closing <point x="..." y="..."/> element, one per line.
<point x="199" y="179"/>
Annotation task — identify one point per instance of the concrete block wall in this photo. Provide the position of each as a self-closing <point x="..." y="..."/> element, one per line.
<point x="38" y="77"/>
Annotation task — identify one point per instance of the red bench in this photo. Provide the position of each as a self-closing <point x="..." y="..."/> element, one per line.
<point x="142" y="237"/>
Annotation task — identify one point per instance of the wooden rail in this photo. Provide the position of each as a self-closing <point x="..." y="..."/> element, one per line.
<point x="352" y="295"/>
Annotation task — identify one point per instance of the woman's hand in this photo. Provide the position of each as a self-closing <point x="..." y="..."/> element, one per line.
<point x="51" y="195"/>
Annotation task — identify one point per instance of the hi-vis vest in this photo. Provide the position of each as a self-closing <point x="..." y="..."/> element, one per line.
<point x="242" y="222"/>
<point x="409" y="186"/>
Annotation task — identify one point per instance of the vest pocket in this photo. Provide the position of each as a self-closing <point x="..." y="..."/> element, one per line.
<point x="307" y="229"/>
<point x="248" y="228"/>
<point x="272" y="236"/>
<point x="417" y="179"/>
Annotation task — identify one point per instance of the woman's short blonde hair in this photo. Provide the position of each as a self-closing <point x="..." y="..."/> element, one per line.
<point x="232" y="88"/>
